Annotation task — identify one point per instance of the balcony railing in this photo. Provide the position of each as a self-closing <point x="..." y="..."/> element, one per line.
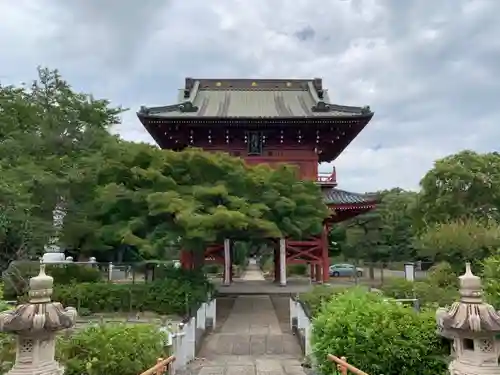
<point x="327" y="178"/>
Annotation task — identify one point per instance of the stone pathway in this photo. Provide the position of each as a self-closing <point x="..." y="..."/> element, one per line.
<point x="251" y="340"/>
<point x="253" y="272"/>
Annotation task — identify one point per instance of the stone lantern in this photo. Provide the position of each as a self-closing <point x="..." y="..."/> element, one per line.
<point x="474" y="326"/>
<point x="36" y="324"/>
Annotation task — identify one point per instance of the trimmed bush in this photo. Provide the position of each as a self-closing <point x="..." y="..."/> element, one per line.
<point x="442" y="275"/>
<point x="213" y="268"/>
<point x="377" y="335"/>
<point x="111" y="349"/>
<point x="429" y="294"/>
<point x="491" y="280"/>
<point x="17" y="275"/>
<point x="178" y="293"/>
<point x="297" y="269"/>
<point x="318" y="295"/>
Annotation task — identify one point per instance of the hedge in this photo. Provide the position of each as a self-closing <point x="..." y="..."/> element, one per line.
<point x="319" y="295"/>
<point x="428" y="294"/>
<point x="174" y="292"/>
<point x="168" y="297"/>
<point x="177" y="292"/>
<point x="17" y="275"/>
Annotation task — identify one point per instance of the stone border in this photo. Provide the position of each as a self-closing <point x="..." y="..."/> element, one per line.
<point x="294" y="323"/>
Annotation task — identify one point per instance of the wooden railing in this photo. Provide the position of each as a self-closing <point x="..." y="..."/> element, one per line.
<point x="161" y="367"/>
<point x="344" y="367"/>
<point x="327" y="178"/>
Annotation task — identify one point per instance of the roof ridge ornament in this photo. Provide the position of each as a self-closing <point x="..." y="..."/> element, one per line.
<point x="144" y="110"/>
<point x="188" y="107"/>
<point x="321" y="106"/>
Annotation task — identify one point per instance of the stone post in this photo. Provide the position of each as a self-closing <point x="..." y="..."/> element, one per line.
<point x="227" y="262"/>
<point x="282" y="263"/>
<point x="35" y="324"/>
<point x="474" y="328"/>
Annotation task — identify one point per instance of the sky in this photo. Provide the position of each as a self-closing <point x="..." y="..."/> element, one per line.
<point x="426" y="67"/>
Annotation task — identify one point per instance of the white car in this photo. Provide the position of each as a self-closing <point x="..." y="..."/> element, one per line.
<point x="345" y="270"/>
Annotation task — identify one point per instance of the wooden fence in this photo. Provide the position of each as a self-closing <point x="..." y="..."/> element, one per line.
<point x="162" y="367"/>
<point x="343" y="367"/>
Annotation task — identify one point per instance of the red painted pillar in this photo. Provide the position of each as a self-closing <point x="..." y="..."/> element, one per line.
<point x="317" y="272"/>
<point x="186" y="259"/>
<point x="325" y="258"/>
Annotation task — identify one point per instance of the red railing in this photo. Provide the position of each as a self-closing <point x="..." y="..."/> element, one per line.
<point x="327" y="178"/>
<point x="343" y="367"/>
<point x="161" y="367"/>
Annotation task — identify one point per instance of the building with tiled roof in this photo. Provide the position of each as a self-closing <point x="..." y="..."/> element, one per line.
<point x="270" y="121"/>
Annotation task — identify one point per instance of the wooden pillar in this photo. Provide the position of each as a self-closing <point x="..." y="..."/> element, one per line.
<point x="317" y="272"/>
<point x="186" y="261"/>
<point x="324" y="248"/>
<point x="282" y="257"/>
<point x="312" y="268"/>
<point x="227" y="262"/>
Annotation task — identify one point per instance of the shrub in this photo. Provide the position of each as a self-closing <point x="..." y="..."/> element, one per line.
<point x="442" y="275"/>
<point x="491" y="277"/>
<point x="317" y="296"/>
<point x="179" y="295"/>
<point x="17" y="276"/>
<point x="7" y="345"/>
<point x="297" y="269"/>
<point x="213" y="268"/>
<point x="428" y="293"/>
<point x="378" y="336"/>
<point x="111" y="349"/>
<point x="7" y="352"/>
<point x="266" y="262"/>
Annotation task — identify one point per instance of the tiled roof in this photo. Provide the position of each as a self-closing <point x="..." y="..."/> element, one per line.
<point x="253" y="98"/>
<point x="341" y="197"/>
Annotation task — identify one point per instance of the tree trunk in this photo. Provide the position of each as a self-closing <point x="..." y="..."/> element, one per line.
<point x="198" y="257"/>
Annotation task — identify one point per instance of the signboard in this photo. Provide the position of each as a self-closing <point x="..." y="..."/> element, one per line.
<point x="410" y="271"/>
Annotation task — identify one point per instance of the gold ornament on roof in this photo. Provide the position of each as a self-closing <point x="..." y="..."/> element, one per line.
<point x="254" y="84"/>
<point x="218" y="84"/>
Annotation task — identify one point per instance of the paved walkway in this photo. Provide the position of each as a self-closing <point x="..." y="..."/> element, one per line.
<point x="250" y="340"/>
<point x="253" y="272"/>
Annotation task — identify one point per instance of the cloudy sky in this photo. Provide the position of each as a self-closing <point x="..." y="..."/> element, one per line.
<point x="426" y="67"/>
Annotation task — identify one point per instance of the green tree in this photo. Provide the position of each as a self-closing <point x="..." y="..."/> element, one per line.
<point x="463" y="185"/>
<point x="385" y="233"/>
<point x="396" y="211"/>
<point x="47" y="130"/>
<point x="458" y="241"/>
<point x="337" y="240"/>
<point x="150" y="198"/>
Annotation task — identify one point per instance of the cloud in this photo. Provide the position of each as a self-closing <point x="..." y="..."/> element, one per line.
<point x="428" y="69"/>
